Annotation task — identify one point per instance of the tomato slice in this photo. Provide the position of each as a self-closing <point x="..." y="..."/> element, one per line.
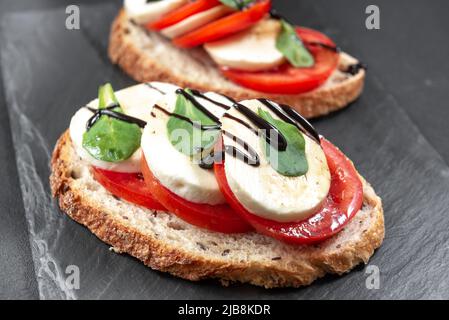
<point x="182" y="13"/>
<point x="226" y="26"/>
<point x="343" y="202"/>
<point x="128" y="186"/>
<point x="220" y="218"/>
<point x="287" y="79"/>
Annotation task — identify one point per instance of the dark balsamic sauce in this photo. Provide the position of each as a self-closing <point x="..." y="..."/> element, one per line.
<point x="108" y="111"/>
<point x="250" y="157"/>
<point x="207" y="161"/>
<point x="195" y="124"/>
<point x="198" y="105"/>
<point x="289" y="115"/>
<point x="197" y="93"/>
<point x="280" y="143"/>
<point x="277" y="110"/>
<point x="227" y="97"/>
<point x="353" y="69"/>
<point x="242" y="122"/>
<point x="276" y="15"/>
<point x="302" y="122"/>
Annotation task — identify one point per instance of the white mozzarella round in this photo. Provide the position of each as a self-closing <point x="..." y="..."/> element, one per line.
<point x="195" y="21"/>
<point x="136" y="101"/>
<point x="262" y="190"/>
<point x="144" y="11"/>
<point x="175" y="170"/>
<point x="252" y="50"/>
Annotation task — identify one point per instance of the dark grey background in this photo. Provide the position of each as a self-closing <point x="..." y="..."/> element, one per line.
<point x="396" y="134"/>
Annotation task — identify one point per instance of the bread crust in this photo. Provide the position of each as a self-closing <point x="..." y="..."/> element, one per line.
<point x="142" y="67"/>
<point x="314" y="262"/>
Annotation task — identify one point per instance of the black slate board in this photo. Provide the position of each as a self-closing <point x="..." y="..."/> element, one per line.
<point x="48" y="72"/>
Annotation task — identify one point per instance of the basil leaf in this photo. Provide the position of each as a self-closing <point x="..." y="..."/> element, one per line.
<point x="106" y="97"/>
<point x="186" y="137"/>
<point x="110" y="139"/>
<point x="292" y="162"/>
<point x="291" y="46"/>
<point x="236" y="4"/>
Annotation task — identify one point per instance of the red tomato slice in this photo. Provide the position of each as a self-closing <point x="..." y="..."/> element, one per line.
<point x="343" y="202"/>
<point x="287" y="79"/>
<point x="220" y="218"/>
<point x="128" y="186"/>
<point x="181" y="13"/>
<point x="226" y="26"/>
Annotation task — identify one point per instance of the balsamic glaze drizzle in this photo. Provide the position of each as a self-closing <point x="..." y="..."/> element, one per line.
<point x="249" y="155"/>
<point x="227" y="97"/>
<point x="295" y="115"/>
<point x="289" y="115"/>
<point x="276" y="15"/>
<point x="108" y="111"/>
<point x="207" y="161"/>
<point x="242" y="122"/>
<point x="353" y="69"/>
<point x="252" y="158"/>
<point x="266" y="128"/>
<point x="196" y="93"/>
<point x="198" y="105"/>
<point x="195" y="124"/>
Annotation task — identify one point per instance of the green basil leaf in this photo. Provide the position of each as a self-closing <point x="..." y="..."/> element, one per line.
<point x="236" y="4"/>
<point x="106" y="97"/>
<point x="185" y="137"/>
<point x="291" y="46"/>
<point x="110" y="139"/>
<point x="291" y="162"/>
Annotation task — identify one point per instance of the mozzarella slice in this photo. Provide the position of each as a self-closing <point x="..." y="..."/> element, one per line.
<point x="174" y="170"/>
<point x="251" y="50"/>
<point x="195" y="21"/>
<point x="262" y="190"/>
<point x="136" y="101"/>
<point x="144" y="11"/>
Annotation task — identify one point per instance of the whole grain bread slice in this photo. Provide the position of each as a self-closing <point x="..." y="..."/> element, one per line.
<point x="166" y="243"/>
<point x="147" y="56"/>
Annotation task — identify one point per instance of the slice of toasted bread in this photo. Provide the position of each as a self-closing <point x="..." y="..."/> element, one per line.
<point x="166" y="243"/>
<point x="147" y="56"/>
